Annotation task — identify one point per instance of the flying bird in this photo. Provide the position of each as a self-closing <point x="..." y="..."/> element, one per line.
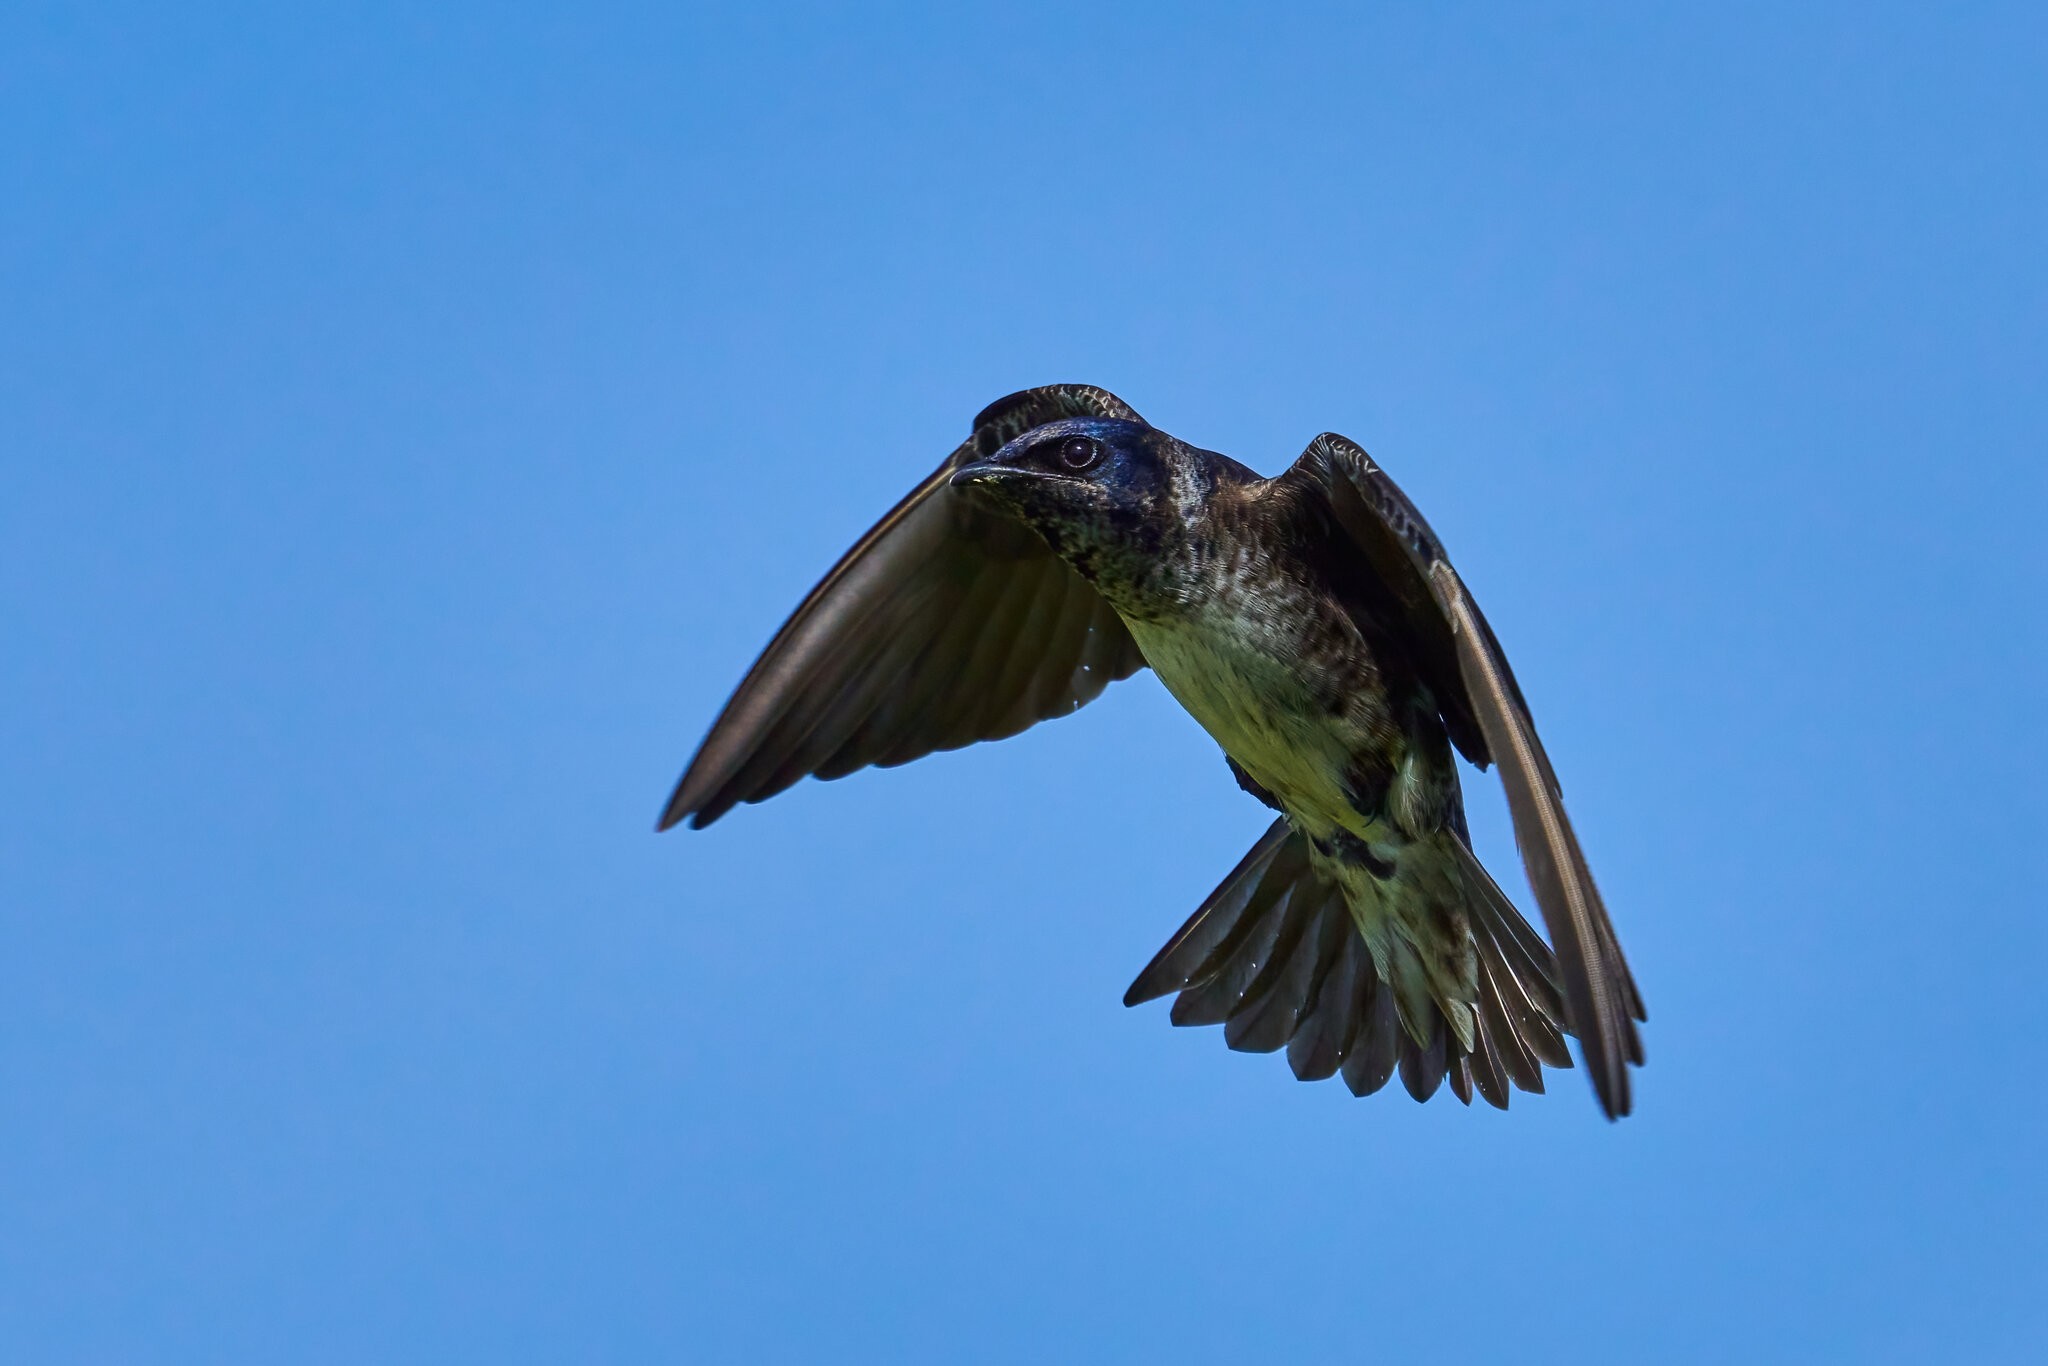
<point x="1314" y="627"/>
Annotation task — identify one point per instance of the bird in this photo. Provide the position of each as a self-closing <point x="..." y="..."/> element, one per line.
<point x="1314" y="627"/>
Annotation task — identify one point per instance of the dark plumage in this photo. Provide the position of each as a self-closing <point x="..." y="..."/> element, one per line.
<point x="1313" y="625"/>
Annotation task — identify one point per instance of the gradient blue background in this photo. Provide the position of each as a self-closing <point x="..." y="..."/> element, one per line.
<point x="413" y="422"/>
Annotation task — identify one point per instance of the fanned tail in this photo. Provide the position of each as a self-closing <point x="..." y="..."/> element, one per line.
<point x="1275" y="957"/>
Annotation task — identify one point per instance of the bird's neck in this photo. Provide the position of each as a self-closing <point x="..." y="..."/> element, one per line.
<point x="1197" y="553"/>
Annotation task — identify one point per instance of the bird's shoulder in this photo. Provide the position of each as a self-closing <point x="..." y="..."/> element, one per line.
<point x="1258" y="573"/>
<point x="1271" y="535"/>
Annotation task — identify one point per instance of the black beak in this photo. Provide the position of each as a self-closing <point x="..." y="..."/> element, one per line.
<point x="980" y="473"/>
<point x="989" y="474"/>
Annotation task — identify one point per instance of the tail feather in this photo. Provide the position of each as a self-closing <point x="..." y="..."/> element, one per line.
<point x="1275" y="957"/>
<point x="1223" y="994"/>
<point x="1376" y="1045"/>
<point x="1323" y="1034"/>
<point x="1423" y="1068"/>
<point x="1522" y="1066"/>
<point x="1275" y="1001"/>
<point x="1194" y="953"/>
<point x="1525" y="1020"/>
<point x="1489" y="1062"/>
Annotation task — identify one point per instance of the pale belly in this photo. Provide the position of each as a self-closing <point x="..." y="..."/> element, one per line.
<point x="1248" y="694"/>
<point x="1253" y="698"/>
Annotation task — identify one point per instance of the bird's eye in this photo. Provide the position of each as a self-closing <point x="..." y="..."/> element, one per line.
<point x="1080" y="453"/>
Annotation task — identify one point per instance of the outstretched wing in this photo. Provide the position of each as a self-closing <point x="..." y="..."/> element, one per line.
<point x="1407" y="580"/>
<point x="946" y="624"/>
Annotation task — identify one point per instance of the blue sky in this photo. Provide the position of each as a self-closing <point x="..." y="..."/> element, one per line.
<point x="413" y="422"/>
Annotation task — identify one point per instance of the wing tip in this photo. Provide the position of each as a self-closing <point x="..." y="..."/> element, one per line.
<point x="685" y="805"/>
<point x="1613" y="1087"/>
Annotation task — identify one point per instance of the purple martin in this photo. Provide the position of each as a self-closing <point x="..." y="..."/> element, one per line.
<point x="1314" y="627"/>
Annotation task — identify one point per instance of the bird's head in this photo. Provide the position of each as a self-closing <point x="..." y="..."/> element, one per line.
<point x="1111" y="497"/>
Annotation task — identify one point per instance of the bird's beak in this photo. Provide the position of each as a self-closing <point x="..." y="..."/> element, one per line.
<point x="979" y="474"/>
<point x="988" y="474"/>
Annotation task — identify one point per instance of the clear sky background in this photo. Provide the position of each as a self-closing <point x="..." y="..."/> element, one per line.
<point x="413" y="422"/>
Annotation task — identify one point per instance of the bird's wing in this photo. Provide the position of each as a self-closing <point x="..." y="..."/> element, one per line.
<point x="946" y="624"/>
<point x="1406" y="580"/>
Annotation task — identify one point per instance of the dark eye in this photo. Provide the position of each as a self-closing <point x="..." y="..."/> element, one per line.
<point x="1080" y="452"/>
